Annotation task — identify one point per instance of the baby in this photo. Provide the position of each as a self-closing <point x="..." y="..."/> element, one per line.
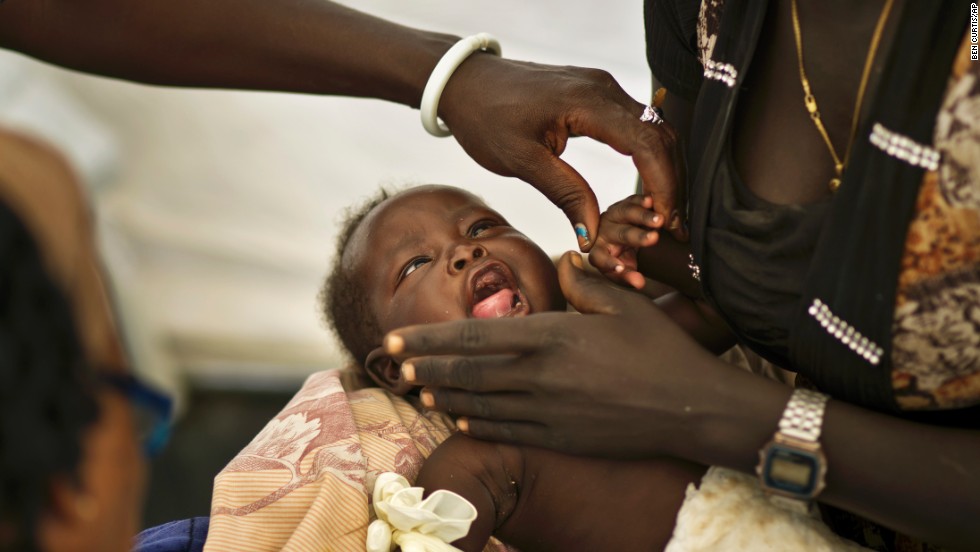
<point x="434" y="254"/>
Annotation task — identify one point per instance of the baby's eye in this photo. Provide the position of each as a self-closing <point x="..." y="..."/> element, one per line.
<point x="412" y="266"/>
<point x="482" y="226"/>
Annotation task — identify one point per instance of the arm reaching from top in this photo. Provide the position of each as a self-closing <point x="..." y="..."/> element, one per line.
<point x="514" y="118"/>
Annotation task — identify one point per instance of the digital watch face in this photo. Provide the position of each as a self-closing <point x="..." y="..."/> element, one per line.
<point x="791" y="470"/>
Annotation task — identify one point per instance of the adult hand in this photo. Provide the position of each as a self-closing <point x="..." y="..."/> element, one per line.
<point x="515" y="118"/>
<point x="619" y="380"/>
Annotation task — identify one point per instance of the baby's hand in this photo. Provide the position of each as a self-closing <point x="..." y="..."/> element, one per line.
<point x="624" y="228"/>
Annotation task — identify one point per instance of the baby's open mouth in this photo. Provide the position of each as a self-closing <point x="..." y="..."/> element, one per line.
<point x="494" y="293"/>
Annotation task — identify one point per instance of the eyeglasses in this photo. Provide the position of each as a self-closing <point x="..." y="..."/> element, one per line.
<point x="151" y="408"/>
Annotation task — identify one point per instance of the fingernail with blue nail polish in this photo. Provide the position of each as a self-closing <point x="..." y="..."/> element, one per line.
<point x="582" y="233"/>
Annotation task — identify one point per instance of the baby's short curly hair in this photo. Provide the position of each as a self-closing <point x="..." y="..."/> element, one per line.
<point x="344" y="300"/>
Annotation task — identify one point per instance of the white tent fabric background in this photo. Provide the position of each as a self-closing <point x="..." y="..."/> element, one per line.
<point x="218" y="209"/>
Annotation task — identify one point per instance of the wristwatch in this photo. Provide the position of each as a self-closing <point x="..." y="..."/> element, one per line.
<point x="792" y="466"/>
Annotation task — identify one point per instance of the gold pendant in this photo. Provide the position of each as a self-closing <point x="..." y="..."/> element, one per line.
<point x="834" y="184"/>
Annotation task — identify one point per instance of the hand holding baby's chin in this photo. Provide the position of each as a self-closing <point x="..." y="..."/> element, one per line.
<point x="565" y="381"/>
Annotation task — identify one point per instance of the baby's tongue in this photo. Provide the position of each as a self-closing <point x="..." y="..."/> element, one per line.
<point x="495" y="306"/>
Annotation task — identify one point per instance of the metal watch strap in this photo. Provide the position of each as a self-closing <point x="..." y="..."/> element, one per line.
<point x="803" y="417"/>
<point x="795" y="446"/>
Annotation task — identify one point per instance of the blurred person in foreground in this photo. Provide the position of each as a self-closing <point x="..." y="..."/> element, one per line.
<point x="72" y="475"/>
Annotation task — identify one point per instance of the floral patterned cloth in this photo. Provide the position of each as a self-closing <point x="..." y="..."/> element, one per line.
<point x="936" y="333"/>
<point x="305" y="481"/>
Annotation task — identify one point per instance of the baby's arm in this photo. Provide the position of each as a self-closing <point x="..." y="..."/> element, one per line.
<point x="668" y="261"/>
<point x="630" y="250"/>
<point x="481" y="472"/>
<point x="699" y="319"/>
<point x="537" y="499"/>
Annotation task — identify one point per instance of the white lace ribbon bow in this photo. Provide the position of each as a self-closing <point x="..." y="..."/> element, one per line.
<point x="416" y="525"/>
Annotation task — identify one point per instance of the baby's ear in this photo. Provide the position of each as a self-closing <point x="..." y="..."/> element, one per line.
<point x="386" y="372"/>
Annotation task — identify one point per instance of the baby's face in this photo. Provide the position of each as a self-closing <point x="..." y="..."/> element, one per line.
<point x="435" y="253"/>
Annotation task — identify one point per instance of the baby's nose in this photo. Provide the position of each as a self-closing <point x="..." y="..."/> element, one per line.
<point x="464" y="254"/>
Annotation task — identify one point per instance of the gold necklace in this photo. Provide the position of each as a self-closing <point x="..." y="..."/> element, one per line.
<point x="811" y="102"/>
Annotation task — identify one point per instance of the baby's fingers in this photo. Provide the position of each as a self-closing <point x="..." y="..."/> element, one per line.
<point x="636" y="210"/>
<point x="627" y="235"/>
<point x="616" y="263"/>
<point x="634" y="279"/>
<point x="605" y="258"/>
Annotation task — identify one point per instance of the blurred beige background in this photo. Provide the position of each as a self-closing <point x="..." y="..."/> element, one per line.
<point x="217" y="209"/>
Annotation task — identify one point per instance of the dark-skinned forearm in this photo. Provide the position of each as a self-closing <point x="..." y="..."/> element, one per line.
<point x="481" y="472"/>
<point x="310" y="46"/>
<point x="699" y="320"/>
<point x="918" y="479"/>
<point x="921" y="479"/>
<point x="666" y="262"/>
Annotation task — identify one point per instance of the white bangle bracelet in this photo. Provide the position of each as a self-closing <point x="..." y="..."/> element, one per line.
<point x="441" y="74"/>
